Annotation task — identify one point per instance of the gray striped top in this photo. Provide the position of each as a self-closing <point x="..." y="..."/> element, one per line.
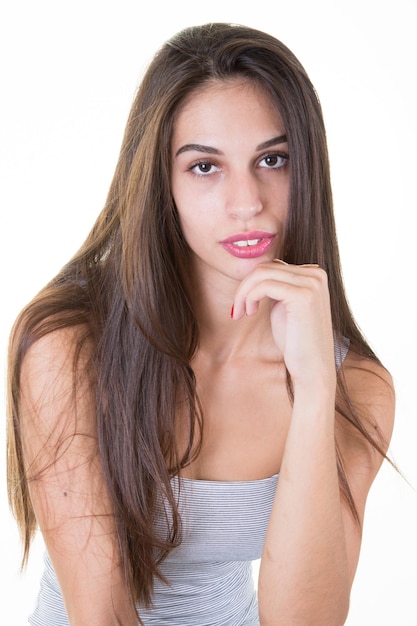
<point x="210" y="573"/>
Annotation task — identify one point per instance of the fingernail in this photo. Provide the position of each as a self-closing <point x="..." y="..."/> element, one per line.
<point x="232" y="311"/>
<point x="280" y="261"/>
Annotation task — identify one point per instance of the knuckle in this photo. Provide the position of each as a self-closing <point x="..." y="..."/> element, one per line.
<point x="322" y="274"/>
<point x="319" y="279"/>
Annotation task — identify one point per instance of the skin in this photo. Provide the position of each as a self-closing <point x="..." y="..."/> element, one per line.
<point x="224" y="184"/>
<point x="281" y="317"/>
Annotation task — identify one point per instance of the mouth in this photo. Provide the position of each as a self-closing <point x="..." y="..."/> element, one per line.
<point x="248" y="245"/>
<point x="244" y="243"/>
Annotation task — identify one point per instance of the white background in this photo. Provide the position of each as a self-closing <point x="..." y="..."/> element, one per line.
<point x="68" y="75"/>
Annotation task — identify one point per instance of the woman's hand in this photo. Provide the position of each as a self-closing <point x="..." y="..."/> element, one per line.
<point x="300" y="316"/>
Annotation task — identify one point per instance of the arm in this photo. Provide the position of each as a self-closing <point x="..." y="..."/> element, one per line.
<point x="313" y="541"/>
<point x="66" y="484"/>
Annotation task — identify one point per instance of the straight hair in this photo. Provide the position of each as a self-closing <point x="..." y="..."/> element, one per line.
<point x="129" y="291"/>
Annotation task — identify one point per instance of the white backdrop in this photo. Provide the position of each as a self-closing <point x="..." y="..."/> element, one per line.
<point x="68" y="75"/>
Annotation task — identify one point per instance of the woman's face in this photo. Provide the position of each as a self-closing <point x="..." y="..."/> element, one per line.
<point x="230" y="178"/>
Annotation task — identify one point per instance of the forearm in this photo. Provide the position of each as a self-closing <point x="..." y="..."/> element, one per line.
<point x="304" y="576"/>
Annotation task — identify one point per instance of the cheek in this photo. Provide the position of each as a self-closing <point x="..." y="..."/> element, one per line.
<point x="282" y="200"/>
<point x="200" y="227"/>
<point x="196" y="206"/>
<point x="189" y="218"/>
<point x="194" y="225"/>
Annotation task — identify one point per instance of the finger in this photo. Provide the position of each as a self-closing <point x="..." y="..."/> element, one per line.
<point x="278" y="270"/>
<point x="275" y="281"/>
<point x="247" y="303"/>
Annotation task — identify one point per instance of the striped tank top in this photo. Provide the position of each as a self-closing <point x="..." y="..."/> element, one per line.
<point x="210" y="574"/>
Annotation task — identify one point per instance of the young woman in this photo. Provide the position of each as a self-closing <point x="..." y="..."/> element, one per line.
<point x="191" y="392"/>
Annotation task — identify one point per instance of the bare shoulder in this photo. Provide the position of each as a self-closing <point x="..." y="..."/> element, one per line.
<point x="52" y="361"/>
<point x="357" y="368"/>
<point x="371" y="390"/>
<point x="55" y="350"/>
<point x="55" y="389"/>
<point x="371" y="395"/>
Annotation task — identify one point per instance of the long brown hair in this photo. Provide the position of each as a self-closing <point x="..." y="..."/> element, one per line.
<point x="129" y="286"/>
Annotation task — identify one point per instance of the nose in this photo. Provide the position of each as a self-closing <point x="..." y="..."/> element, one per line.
<point x="244" y="198"/>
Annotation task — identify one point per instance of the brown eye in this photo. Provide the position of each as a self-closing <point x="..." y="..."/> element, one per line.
<point x="271" y="160"/>
<point x="274" y="161"/>
<point x="203" y="168"/>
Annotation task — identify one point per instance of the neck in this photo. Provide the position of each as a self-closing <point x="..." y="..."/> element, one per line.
<point x="223" y="339"/>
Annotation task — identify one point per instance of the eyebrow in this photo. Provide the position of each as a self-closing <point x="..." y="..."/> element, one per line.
<point x="275" y="141"/>
<point x="198" y="147"/>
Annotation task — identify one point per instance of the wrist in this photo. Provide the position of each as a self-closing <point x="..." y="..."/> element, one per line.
<point x="314" y="401"/>
<point x="315" y="387"/>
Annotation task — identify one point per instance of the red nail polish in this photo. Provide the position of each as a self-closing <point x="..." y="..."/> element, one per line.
<point x="231" y="312"/>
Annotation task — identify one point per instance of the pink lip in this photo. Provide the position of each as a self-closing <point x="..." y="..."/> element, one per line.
<point x="265" y="242"/>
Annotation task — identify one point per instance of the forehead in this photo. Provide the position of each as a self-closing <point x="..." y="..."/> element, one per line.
<point x="227" y="105"/>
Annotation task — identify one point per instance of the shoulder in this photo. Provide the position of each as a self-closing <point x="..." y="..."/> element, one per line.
<point x="56" y="352"/>
<point x="370" y="399"/>
<point x="56" y="380"/>
<point x="371" y="390"/>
